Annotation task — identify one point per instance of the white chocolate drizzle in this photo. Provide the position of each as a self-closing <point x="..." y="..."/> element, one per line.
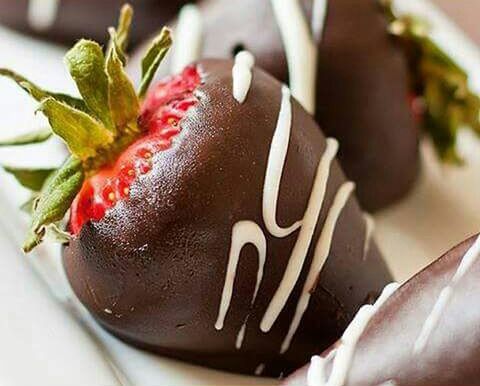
<point x="275" y="165"/>
<point x="243" y="233"/>
<point x="300" y="49"/>
<point x="299" y="252"/>
<point x="242" y="75"/>
<point x="319" y="15"/>
<point x="320" y="256"/>
<point x="390" y="382"/>
<point x="260" y="368"/>
<point x="241" y="335"/>
<point x="445" y="296"/>
<point x="369" y="229"/>
<point x="343" y="355"/>
<point x="42" y="13"/>
<point x="188" y="38"/>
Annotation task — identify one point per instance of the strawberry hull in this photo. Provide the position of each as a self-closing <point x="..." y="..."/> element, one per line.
<point x="153" y="269"/>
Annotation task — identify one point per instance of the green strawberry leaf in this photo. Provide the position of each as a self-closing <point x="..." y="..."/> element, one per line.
<point x="86" y="64"/>
<point x="123" y="29"/>
<point x="54" y="200"/>
<point x="39" y="94"/>
<point x="114" y="45"/>
<point x="83" y="135"/>
<point x="123" y="101"/>
<point x="36" y="136"/>
<point x="152" y="59"/>
<point x="32" y="179"/>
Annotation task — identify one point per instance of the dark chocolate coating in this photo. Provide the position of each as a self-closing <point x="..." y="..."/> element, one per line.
<point x="452" y="355"/>
<point x="90" y="18"/>
<point x="362" y="85"/>
<point x="158" y="260"/>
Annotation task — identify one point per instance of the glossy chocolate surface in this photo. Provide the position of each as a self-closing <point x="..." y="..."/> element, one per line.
<point x="153" y="269"/>
<point x="385" y="351"/>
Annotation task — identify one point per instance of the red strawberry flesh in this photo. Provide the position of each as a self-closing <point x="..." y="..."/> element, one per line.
<point x="162" y="112"/>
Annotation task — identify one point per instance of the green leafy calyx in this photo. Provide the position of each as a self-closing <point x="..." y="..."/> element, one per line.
<point x="96" y="127"/>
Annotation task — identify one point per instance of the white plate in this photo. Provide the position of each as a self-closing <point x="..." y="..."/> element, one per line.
<point x="47" y="339"/>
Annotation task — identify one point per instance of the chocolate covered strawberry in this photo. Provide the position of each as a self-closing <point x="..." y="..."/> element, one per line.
<point x="209" y="220"/>
<point x="425" y="332"/>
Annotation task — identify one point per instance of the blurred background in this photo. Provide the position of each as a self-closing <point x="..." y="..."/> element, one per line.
<point x="465" y="13"/>
<point x="442" y="210"/>
<point x="64" y="21"/>
<point x="87" y="18"/>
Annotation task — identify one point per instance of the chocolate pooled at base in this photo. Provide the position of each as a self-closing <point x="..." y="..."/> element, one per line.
<point x="362" y="91"/>
<point x="66" y="21"/>
<point x="427" y="333"/>
<point x="153" y="270"/>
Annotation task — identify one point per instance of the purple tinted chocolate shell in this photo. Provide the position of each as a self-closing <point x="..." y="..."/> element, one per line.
<point x="386" y="349"/>
<point x="77" y="19"/>
<point x="362" y="88"/>
<point x="153" y="269"/>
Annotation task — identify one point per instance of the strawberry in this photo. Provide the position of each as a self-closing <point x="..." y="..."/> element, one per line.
<point x="161" y="113"/>
<point x="180" y="200"/>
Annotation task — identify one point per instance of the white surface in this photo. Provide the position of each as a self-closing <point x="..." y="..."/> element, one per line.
<point x="42" y="341"/>
<point x="35" y="330"/>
